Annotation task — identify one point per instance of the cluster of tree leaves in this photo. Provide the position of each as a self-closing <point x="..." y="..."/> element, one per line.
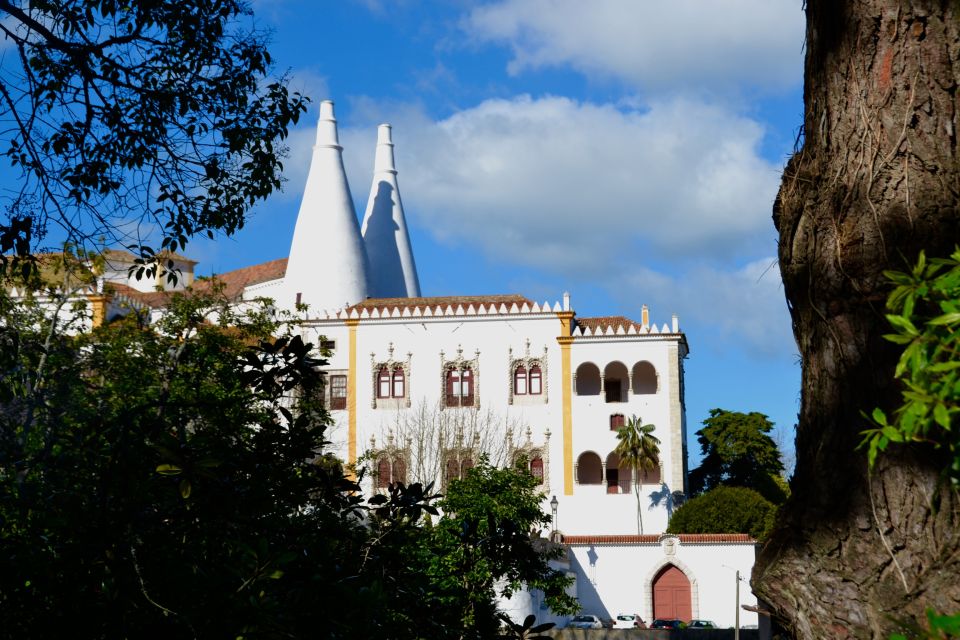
<point x="925" y="315"/>
<point x="173" y="480"/>
<point x="739" y="452"/>
<point x="726" y="510"/>
<point x="155" y="119"/>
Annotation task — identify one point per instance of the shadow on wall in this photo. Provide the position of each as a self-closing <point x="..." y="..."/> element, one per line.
<point x="590" y="601"/>
<point x="665" y="497"/>
<point x="381" y="237"/>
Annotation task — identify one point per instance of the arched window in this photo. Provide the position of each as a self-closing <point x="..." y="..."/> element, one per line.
<point x="536" y="380"/>
<point x="383" y="473"/>
<point x="617" y="421"/>
<point x="398" y="383"/>
<point x="589" y="468"/>
<point x="453" y="387"/>
<point x="453" y="470"/>
<point x="400" y="470"/>
<point x="644" y="378"/>
<point x="465" y="466"/>
<point x="536" y="469"/>
<point x="588" y="380"/>
<point x="520" y="381"/>
<point x="383" y="383"/>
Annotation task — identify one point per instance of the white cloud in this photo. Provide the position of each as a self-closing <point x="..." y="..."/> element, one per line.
<point x="739" y="308"/>
<point x="577" y="188"/>
<point x="652" y="44"/>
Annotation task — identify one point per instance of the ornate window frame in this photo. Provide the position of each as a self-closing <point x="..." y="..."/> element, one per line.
<point x="392" y="453"/>
<point x="528" y="362"/>
<point x="531" y="450"/>
<point x="459" y="363"/>
<point x="391" y="364"/>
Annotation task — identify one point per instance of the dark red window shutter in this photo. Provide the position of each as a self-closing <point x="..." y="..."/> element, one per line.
<point x="400" y="470"/>
<point x="383" y="383"/>
<point x="536" y="381"/>
<point x="383" y="473"/>
<point x="466" y="388"/>
<point x="536" y="469"/>
<point x="520" y="381"/>
<point x="338" y="392"/>
<point x="465" y="466"/>
<point x="398" y="383"/>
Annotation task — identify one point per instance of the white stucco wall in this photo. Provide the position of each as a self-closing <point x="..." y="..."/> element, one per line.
<point x="492" y="341"/>
<point x="618" y="578"/>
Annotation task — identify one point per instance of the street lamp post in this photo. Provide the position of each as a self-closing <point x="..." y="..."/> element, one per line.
<point x="554" y="503"/>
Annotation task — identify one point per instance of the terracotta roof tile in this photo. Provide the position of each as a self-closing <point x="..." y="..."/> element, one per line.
<point x="605" y="322"/>
<point x="685" y="538"/>
<point x="238" y="279"/>
<point x="234" y="283"/>
<point x="389" y="304"/>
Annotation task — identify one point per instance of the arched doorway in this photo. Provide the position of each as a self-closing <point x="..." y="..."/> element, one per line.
<point x="671" y="594"/>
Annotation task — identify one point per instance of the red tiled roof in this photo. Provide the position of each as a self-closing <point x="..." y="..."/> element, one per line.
<point x="234" y="283"/>
<point x="238" y="279"/>
<point x="605" y="322"/>
<point x="685" y="538"/>
<point x="488" y="302"/>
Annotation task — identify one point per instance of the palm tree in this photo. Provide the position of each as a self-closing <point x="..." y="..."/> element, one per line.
<point x="639" y="450"/>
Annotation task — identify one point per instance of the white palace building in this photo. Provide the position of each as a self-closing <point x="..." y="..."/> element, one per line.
<point x="421" y="387"/>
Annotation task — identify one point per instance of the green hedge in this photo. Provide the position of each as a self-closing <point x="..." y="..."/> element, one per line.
<point x="725" y="510"/>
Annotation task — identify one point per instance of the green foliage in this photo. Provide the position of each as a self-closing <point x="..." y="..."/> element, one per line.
<point x="485" y="546"/>
<point x="925" y="316"/>
<point x="639" y="450"/>
<point x="162" y="481"/>
<point x="726" y="510"/>
<point x="155" y="114"/>
<point x="738" y="452"/>
<point x="939" y="627"/>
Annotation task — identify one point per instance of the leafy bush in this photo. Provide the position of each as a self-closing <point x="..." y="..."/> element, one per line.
<point x="925" y="315"/>
<point x="726" y="510"/>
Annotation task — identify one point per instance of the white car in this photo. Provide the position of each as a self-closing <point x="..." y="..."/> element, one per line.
<point x="585" y="622"/>
<point x="629" y="621"/>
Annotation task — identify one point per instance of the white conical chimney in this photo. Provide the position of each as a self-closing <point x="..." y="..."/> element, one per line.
<point x="393" y="272"/>
<point x="327" y="268"/>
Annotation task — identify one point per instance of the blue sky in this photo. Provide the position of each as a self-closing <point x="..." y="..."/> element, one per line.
<point x="626" y="152"/>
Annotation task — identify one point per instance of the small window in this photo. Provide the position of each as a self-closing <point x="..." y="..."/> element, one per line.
<point x="465" y="466"/>
<point x="400" y="470"/>
<point x="328" y="345"/>
<point x="383" y="383"/>
<point x="338" y="392"/>
<point x="520" y="381"/>
<point x="383" y="473"/>
<point x="398" y="383"/>
<point x="536" y="380"/>
<point x="617" y="421"/>
<point x="536" y="469"/>
<point x="453" y="470"/>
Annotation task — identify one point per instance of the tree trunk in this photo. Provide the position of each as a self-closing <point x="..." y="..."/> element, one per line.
<point x="876" y="181"/>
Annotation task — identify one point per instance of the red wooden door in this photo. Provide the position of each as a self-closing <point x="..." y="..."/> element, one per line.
<point x="671" y="595"/>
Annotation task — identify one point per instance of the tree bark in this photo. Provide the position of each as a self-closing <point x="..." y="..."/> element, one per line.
<point x="876" y="180"/>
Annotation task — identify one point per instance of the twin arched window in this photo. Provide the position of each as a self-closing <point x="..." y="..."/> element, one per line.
<point x="391" y="384"/>
<point x="527" y="382"/>
<point x="391" y="471"/>
<point x="459" y="384"/>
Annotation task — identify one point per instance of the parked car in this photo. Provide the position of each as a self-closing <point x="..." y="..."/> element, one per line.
<point x="701" y="624"/>
<point x="629" y="621"/>
<point x="585" y="622"/>
<point x="666" y="623"/>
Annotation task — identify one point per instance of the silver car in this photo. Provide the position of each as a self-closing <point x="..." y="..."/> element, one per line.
<point x="585" y="622"/>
